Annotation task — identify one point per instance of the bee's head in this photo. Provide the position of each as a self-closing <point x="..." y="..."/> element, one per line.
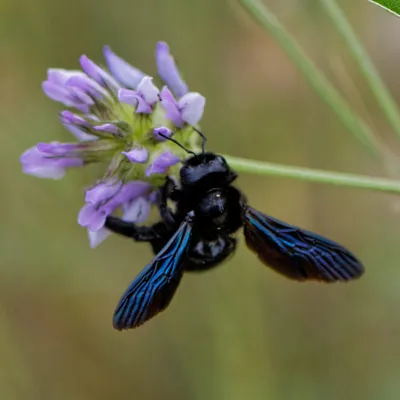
<point x="206" y="171"/>
<point x="203" y="171"/>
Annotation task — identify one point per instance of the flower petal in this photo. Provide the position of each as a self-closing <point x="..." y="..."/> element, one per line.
<point x="127" y="75"/>
<point x="76" y="125"/>
<point x="87" y="85"/>
<point x="60" y="76"/>
<point x="143" y="107"/>
<point x="84" y="101"/>
<point x="86" y="214"/>
<point x="161" y="164"/>
<point x="170" y="106"/>
<point x="58" y="93"/>
<point x="137" y="155"/>
<point x="133" y="98"/>
<point x="163" y="130"/>
<point x="168" y="70"/>
<point x="46" y="165"/>
<point x="59" y="149"/>
<point x="102" y="192"/>
<point x="68" y="95"/>
<point x="136" y="211"/>
<point x="148" y="90"/>
<point x="128" y="96"/>
<point x="80" y="134"/>
<point x="70" y="118"/>
<point x="44" y="171"/>
<point x="110" y="128"/>
<point x="92" y="217"/>
<point x="95" y="238"/>
<point x="131" y="190"/>
<point x="98" y="74"/>
<point x="192" y="107"/>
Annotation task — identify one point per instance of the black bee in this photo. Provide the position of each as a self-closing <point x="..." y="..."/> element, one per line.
<point x="198" y="235"/>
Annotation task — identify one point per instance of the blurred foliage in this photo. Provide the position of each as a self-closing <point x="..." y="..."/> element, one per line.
<point x="241" y="331"/>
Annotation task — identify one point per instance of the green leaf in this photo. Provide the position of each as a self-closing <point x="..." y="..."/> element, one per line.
<point x="392" y="6"/>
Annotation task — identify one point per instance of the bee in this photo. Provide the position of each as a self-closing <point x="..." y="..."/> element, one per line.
<point x="199" y="235"/>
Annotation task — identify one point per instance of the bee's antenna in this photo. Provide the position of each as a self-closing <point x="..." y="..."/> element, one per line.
<point x="176" y="142"/>
<point x="203" y="144"/>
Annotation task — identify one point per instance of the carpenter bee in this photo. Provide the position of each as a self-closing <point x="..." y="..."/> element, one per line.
<point x="198" y="235"/>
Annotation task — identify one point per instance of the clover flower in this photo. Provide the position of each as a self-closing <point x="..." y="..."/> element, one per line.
<point x="121" y="119"/>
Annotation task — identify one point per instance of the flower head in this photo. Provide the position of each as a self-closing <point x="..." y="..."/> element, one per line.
<point x="119" y="117"/>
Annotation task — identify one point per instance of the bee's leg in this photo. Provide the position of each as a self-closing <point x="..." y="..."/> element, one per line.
<point x="137" y="233"/>
<point x="157" y="235"/>
<point x="204" y="255"/>
<point x="168" y="191"/>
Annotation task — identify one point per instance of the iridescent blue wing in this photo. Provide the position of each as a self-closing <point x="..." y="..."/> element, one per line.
<point x="297" y="253"/>
<point x="153" y="289"/>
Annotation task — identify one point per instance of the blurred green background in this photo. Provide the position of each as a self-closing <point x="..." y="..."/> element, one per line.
<point x="240" y="331"/>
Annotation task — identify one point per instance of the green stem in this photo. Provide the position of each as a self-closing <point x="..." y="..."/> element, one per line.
<point x="365" y="64"/>
<point x="313" y="175"/>
<point x="313" y="75"/>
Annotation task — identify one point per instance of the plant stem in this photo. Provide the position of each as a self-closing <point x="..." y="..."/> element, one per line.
<point x="365" y="64"/>
<point x="313" y="175"/>
<point x="313" y="75"/>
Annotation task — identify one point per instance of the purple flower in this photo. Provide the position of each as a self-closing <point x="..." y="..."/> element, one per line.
<point x="59" y="149"/>
<point x="77" y="125"/>
<point x="109" y="128"/>
<point x="88" y="86"/>
<point x="137" y="155"/>
<point x="102" y="192"/>
<point x="144" y="98"/>
<point x="120" y="119"/>
<point x="98" y="74"/>
<point x="47" y="162"/>
<point x="57" y="89"/>
<point x="161" y="164"/>
<point x="93" y="216"/>
<point x="191" y="106"/>
<point x="97" y="237"/>
<point x="164" y="131"/>
<point x="136" y="211"/>
<point x="168" y="70"/>
<point x="189" y="109"/>
<point x="131" y="190"/>
<point x="104" y="199"/>
<point x="123" y="72"/>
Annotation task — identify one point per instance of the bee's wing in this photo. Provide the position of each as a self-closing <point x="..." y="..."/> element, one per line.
<point x="153" y="289"/>
<point x="297" y="253"/>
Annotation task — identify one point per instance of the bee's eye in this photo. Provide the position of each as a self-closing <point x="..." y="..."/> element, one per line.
<point x="222" y="160"/>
